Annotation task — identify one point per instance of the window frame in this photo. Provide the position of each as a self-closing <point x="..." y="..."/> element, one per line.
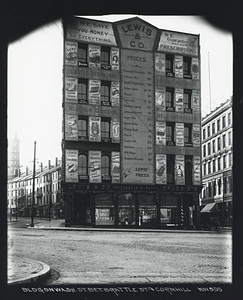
<point x="188" y="170"/>
<point x="105" y="64"/>
<point x="85" y="136"/>
<point x="105" y="99"/>
<point x="105" y="138"/>
<point x="187" y="60"/>
<point x="189" y="108"/>
<point x="169" y="71"/>
<point x="106" y="175"/>
<point x="83" y="63"/>
<point x="170" y="91"/>
<point x="172" y="141"/>
<point x="83" y="100"/>
<point x="189" y="142"/>
<point x="170" y="169"/>
<point x="83" y="175"/>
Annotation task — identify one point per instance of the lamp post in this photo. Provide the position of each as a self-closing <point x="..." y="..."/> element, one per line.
<point x="33" y="189"/>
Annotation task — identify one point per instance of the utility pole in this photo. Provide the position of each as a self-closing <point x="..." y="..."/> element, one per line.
<point x="33" y="189"/>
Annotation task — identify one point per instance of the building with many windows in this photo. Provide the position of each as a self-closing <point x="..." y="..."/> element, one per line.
<point x="217" y="161"/>
<point x="13" y="157"/>
<point x="131" y="125"/>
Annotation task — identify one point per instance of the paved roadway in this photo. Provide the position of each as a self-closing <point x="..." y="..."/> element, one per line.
<point x="91" y="257"/>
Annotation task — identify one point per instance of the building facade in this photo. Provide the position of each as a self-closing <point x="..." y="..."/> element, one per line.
<point x="131" y="125"/>
<point x="13" y="157"/>
<point x="217" y="161"/>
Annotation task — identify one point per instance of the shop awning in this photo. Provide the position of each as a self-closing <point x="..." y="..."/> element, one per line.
<point x="210" y="207"/>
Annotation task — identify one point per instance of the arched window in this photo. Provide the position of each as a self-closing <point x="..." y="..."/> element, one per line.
<point x="105" y="165"/>
<point x="105" y="93"/>
<point x="82" y="165"/>
<point x="82" y="128"/>
<point x="82" y="91"/>
<point x="105" y="129"/>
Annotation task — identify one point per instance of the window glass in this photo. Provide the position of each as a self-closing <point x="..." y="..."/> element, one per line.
<point x="219" y="163"/>
<point x="169" y="97"/>
<point x="170" y="168"/>
<point x="204" y="134"/>
<point x="105" y="129"/>
<point x="187" y="99"/>
<point x="105" y="165"/>
<point x="82" y="53"/>
<point x="218" y="125"/>
<point x="105" y="57"/>
<point x="82" y="165"/>
<point x="82" y="128"/>
<point x="170" y="132"/>
<point x="187" y="133"/>
<point x="209" y="148"/>
<point x="213" y="128"/>
<point x="186" y="65"/>
<point x="224" y="121"/>
<point x="82" y="91"/>
<point x="105" y="93"/>
<point x="229" y="118"/>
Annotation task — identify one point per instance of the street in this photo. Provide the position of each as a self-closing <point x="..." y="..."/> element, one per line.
<point x="96" y="257"/>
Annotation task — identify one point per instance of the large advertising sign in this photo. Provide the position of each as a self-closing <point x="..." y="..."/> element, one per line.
<point x="175" y="42"/>
<point x="160" y="64"/>
<point x="179" y="100"/>
<point x="196" y="170"/>
<point x="115" y="167"/>
<point x="71" y="127"/>
<point x="90" y="31"/>
<point x="161" y="133"/>
<point x="94" y="92"/>
<point x="115" y="58"/>
<point x="178" y="66"/>
<point x="71" y="166"/>
<point x="180" y="134"/>
<point x="161" y="169"/>
<point x="160" y="98"/>
<point x="196" y="135"/>
<point x="180" y="173"/>
<point x="115" y="130"/>
<point x="195" y="102"/>
<point x="94" y="56"/>
<point x="95" y="129"/>
<point x="195" y="68"/>
<point x="71" y="54"/>
<point x="71" y="90"/>
<point x="115" y="94"/>
<point x="95" y="166"/>
<point x="137" y="143"/>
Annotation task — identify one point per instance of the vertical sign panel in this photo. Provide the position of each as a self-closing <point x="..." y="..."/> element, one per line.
<point x="114" y="58"/>
<point x="180" y="172"/>
<point x="71" y="90"/>
<point x="195" y="68"/>
<point x="160" y="64"/>
<point x="115" y="171"/>
<point x="178" y="67"/>
<point x="71" y="165"/>
<point x="196" y="135"/>
<point x="115" y="130"/>
<point x="115" y="93"/>
<point x="196" y="170"/>
<point x="179" y="100"/>
<point x="160" y="99"/>
<point x="94" y="56"/>
<point x="71" y="127"/>
<point x="95" y="166"/>
<point x="94" y="129"/>
<point x="161" y="169"/>
<point x="137" y="117"/>
<point x="180" y="134"/>
<point x="195" y="101"/>
<point x="161" y="133"/>
<point x="71" y="54"/>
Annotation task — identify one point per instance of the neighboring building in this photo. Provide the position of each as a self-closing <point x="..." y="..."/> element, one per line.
<point x="13" y="157"/>
<point x="131" y="125"/>
<point x="217" y="161"/>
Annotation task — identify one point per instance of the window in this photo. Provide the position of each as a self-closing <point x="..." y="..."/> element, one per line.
<point x="204" y="134"/>
<point x="170" y="127"/>
<point x="219" y="144"/>
<point x="105" y="166"/>
<point x="214" y="188"/>
<point x="230" y="183"/>
<point x="105" y="93"/>
<point x="224" y="121"/>
<point x="224" y="141"/>
<point x="204" y="169"/>
<point x="214" y="166"/>
<point x="209" y="189"/>
<point x="170" y="168"/>
<point x="208" y="131"/>
<point x="188" y="134"/>
<point x="213" y="128"/>
<point x="214" y="148"/>
<point x="82" y="128"/>
<point x="188" y="169"/>
<point x="209" y="167"/>
<point x="82" y="55"/>
<point x="229" y="119"/>
<point x="218" y="124"/>
<point x="187" y="101"/>
<point x="187" y="67"/>
<point x="105" y="58"/>
<point x="219" y="163"/>
<point x="82" y="91"/>
<point x="204" y="150"/>
<point x="230" y="159"/>
<point x="224" y="185"/>
<point x="169" y="62"/>
<point x="105" y="130"/>
<point x="229" y="138"/>
<point x="219" y="186"/>
<point x="224" y="161"/>
<point x="169" y="99"/>
<point x="209" y="148"/>
<point x="83" y="166"/>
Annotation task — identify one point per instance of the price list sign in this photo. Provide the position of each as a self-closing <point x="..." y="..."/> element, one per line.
<point x="137" y="117"/>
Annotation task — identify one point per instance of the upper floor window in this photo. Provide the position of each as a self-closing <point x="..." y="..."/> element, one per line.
<point x="169" y="63"/>
<point x="219" y="163"/>
<point x="209" y="167"/>
<point x="204" y="133"/>
<point x="209" y="148"/>
<point x="82" y="55"/>
<point x="105" y="130"/>
<point x="213" y="128"/>
<point x="105" y="166"/>
<point x="170" y="168"/>
<point x="187" y="100"/>
<point x="82" y="128"/>
<point x="219" y="144"/>
<point x="105" y="93"/>
<point x="224" y="162"/>
<point x="170" y="128"/>
<point x="105" y="58"/>
<point x="83" y="166"/>
<point x="187" y="67"/>
<point x="224" y="121"/>
<point x="188" y="134"/>
<point x="204" y="150"/>
<point x="208" y="131"/>
<point x="169" y="99"/>
<point x="230" y="159"/>
<point x="229" y="138"/>
<point x="188" y="169"/>
<point x="82" y="90"/>
<point x="214" y="148"/>
<point x="229" y="118"/>
<point x="218" y="124"/>
<point x="214" y="166"/>
<point x="224" y="141"/>
<point x="204" y="169"/>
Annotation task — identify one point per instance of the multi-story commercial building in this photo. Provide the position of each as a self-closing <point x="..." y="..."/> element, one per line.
<point x="131" y="124"/>
<point x="217" y="161"/>
<point x="13" y="157"/>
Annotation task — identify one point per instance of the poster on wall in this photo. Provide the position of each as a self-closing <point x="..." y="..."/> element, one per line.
<point x="71" y="127"/>
<point x="115" y="130"/>
<point x="95" y="129"/>
<point x="195" y="102"/>
<point x="95" y="166"/>
<point x="161" y="169"/>
<point x="71" y="54"/>
<point x="94" y="56"/>
<point x="71" y="90"/>
<point x="180" y="134"/>
<point x="115" y="93"/>
<point x="195" y="68"/>
<point x="115" y="167"/>
<point x="114" y="58"/>
<point x="196" y="135"/>
<point x="71" y="166"/>
<point x="160" y="98"/>
<point x="160" y="64"/>
<point x="94" y="92"/>
<point x="178" y="66"/>
<point x="196" y="170"/>
<point x="179" y="100"/>
<point x="180" y="173"/>
<point x="160" y="133"/>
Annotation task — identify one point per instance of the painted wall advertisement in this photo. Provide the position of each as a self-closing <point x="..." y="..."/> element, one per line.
<point x="115" y="93"/>
<point x="196" y="170"/>
<point x="115" y="167"/>
<point x="71" y="54"/>
<point x="160" y="133"/>
<point x="195" y="102"/>
<point x="178" y="66"/>
<point x="71" y="127"/>
<point x="114" y="58"/>
<point x="160" y="98"/>
<point x="95" y="129"/>
<point x="71" y="166"/>
<point x="90" y="31"/>
<point x="94" y="92"/>
<point x="195" y="68"/>
<point x="160" y="64"/>
<point x="115" y="130"/>
<point x="161" y="169"/>
<point x="94" y="56"/>
<point x="95" y="166"/>
<point x="71" y="90"/>
<point x="180" y="173"/>
<point x="196" y="135"/>
<point x="175" y="42"/>
<point x="179" y="100"/>
<point x="180" y="134"/>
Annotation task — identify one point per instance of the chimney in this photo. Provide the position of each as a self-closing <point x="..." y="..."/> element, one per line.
<point x="27" y="171"/>
<point x="49" y="164"/>
<point x="56" y="161"/>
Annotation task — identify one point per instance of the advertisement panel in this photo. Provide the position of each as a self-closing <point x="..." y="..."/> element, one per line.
<point x="195" y="102"/>
<point x="178" y="66"/>
<point x="160" y="98"/>
<point x="161" y="169"/>
<point x="71" y="165"/>
<point x="94" y="92"/>
<point x="115" y="58"/>
<point x="115" y="93"/>
<point x="161" y="133"/>
<point x="94" y="56"/>
<point x="180" y="134"/>
<point x="196" y="170"/>
<point x="195" y="68"/>
<point x="180" y="173"/>
<point x="179" y="100"/>
<point x="115" y="130"/>
<point x="71" y="54"/>
<point x="196" y="135"/>
<point x="95" y="166"/>
<point x="175" y="42"/>
<point x="71" y="90"/>
<point x="71" y="127"/>
<point x="160" y="64"/>
<point x="115" y="167"/>
<point x="94" y="129"/>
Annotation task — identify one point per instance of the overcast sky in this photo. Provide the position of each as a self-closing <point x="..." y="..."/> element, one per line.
<point x="35" y="80"/>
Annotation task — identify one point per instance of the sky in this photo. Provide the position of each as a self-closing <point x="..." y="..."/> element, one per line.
<point x="35" y="64"/>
